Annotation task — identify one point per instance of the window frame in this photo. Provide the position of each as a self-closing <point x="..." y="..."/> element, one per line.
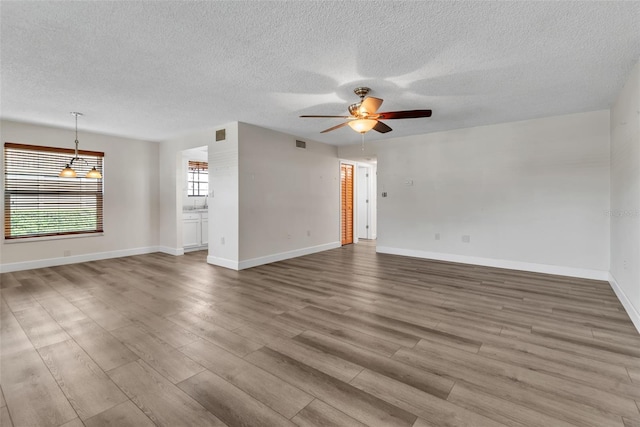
<point x="197" y="168"/>
<point x="50" y="185"/>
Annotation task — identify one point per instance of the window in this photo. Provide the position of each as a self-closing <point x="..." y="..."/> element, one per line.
<point x="39" y="203"/>
<point x="198" y="179"/>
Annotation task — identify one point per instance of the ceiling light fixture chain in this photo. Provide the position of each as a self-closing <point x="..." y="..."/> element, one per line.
<point x="76" y="114"/>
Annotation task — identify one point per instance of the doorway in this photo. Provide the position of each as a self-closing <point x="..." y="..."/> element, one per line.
<point x="346" y="203"/>
<point x="193" y="181"/>
<point x="363" y="206"/>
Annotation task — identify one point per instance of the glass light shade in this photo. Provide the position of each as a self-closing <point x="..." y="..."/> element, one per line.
<point x="67" y="172"/>
<point x="363" y="125"/>
<point x="94" y="173"/>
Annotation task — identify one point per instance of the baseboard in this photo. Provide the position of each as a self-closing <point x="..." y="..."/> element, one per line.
<point x="171" y="251"/>
<point x="499" y="263"/>
<point x="254" y="262"/>
<point x="223" y="262"/>
<point x="632" y="311"/>
<point x="52" y="262"/>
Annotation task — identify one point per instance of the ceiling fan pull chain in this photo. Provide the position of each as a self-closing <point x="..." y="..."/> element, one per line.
<point x="362" y="141"/>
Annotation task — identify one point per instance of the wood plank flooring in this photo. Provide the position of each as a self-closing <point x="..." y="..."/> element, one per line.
<point x="345" y="337"/>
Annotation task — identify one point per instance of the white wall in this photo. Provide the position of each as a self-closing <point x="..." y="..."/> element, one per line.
<point x="130" y="199"/>
<point x="170" y="183"/>
<point x="531" y="195"/>
<point x="224" y="231"/>
<point x="289" y="197"/>
<point x="625" y="195"/>
<point x="268" y="200"/>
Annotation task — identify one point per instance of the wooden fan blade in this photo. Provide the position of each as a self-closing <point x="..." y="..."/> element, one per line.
<point x="370" y="105"/>
<point x="382" y="128"/>
<point x="408" y="114"/>
<point x="330" y="117"/>
<point x="335" y="127"/>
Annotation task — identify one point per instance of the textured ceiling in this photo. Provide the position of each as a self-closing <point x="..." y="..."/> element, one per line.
<point x="154" y="70"/>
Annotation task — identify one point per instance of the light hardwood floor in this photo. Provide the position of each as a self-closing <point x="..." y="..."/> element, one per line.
<point x="344" y="337"/>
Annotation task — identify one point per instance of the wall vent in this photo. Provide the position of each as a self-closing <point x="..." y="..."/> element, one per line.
<point x="221" y="135"/>
<point x="301" y="144"/>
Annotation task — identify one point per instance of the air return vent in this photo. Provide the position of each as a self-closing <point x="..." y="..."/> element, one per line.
<point x="301" y="144"/>
<point x="221" y="135"/>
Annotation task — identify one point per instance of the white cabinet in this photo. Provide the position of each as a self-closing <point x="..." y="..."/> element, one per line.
<point x="204" y="228"/>
<point x="195" y="230"/>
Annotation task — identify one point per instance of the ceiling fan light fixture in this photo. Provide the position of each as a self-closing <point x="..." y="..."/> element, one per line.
<point x="363" y="125"/>
<point x="364" y="116"/>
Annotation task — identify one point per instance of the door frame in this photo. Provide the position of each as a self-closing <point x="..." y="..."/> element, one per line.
<point x="354" y="232"/>
<point x="369" y="189"/>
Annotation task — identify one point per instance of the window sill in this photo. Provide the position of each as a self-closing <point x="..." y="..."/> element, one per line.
<point x="45" y="238"/>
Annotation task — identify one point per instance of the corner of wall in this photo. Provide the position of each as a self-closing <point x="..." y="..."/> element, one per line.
<point x="171" y="251"/>
<point x="223" y="262"/>
<point x="624" y="212"/>
<point x="633" y="313"/>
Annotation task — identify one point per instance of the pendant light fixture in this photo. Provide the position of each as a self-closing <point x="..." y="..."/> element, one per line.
<point x="68" y="171"/>
<point x="93" y="173"/>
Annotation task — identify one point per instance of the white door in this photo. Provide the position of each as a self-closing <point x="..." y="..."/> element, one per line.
<point x="363" y="202"/>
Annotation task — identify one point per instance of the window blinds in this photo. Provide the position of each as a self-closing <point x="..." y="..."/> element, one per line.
<point x="38" y="202"/>
<point x="198" y="165"/>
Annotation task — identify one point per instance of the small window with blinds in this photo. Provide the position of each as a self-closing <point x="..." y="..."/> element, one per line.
<point x="39" y="203"/>
<point x="198" y="179"/>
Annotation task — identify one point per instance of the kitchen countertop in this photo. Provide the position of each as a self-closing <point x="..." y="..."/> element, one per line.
<point x="199" y="210"/>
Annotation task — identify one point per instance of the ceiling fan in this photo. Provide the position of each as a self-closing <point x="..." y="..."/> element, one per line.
<point x="363" y="116"/>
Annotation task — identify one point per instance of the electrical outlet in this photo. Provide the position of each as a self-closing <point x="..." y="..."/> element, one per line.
<point x="288" y="236"/>
<point x="308" y="233"/>
<point x="67" y="253"/>
<point x="437" y="236"/>
<point x="466" y="239"/>
<point x="222" y="240"/>
<point x="624" y="264"/>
